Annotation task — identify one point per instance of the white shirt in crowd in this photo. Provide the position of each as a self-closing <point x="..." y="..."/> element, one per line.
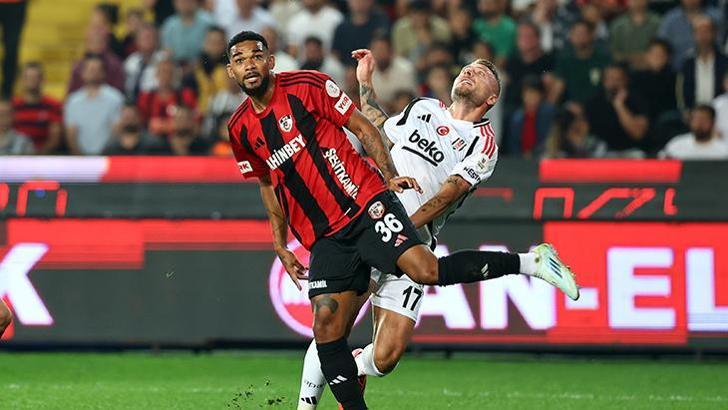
<point x="704" y="80"/>
<point x="399" y="76"/>
<point x="234" y="23"/>
<point x="93" y="117"/>
<point x="686" y="147"/>
<point x="306" y="24"/>
<point x="720" y="104"/>
<point x="134" y="64"/>
<point x="284" y="62"/>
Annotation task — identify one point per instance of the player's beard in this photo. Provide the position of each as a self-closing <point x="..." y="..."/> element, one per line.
<point x="258" y="91"/>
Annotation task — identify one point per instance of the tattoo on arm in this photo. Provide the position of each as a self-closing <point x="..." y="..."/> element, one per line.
<point x="326" y="301"/>
<point x="452" y="190"/>
<point x="373" y="111"/>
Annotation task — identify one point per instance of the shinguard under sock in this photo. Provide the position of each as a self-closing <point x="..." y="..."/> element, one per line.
<point x="340" y="371"/>
<point x="475" y="266"/>
<point x="312" y="380"/>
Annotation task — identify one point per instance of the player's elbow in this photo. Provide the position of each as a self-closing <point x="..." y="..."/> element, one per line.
<point x="6" y="318"/>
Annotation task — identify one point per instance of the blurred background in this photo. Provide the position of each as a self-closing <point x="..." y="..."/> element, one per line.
<point x="124" y="220"/>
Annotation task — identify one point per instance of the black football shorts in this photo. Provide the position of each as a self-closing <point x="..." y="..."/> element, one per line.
<point x="376" y="238"/>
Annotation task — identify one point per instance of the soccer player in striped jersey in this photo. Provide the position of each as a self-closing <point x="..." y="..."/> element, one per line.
<point x="450" y="150"/>
<point x="289" y="135"/>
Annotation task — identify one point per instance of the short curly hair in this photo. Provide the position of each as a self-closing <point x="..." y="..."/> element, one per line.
<point x="492" y="68"/>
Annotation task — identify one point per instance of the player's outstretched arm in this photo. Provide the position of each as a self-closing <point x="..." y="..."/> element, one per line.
<point x="450" y="192"/>
<point x="278" y="223"/>
<point x="367" y="96"/>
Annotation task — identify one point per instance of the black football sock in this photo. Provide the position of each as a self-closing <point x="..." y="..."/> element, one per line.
<point x="474" y="266"/>
<point x="339" y="369"/>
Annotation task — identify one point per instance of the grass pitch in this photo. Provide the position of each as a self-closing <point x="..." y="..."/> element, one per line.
<point x="254" y="380"/>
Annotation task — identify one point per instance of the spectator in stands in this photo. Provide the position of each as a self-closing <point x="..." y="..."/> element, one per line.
<point x="413" y="34"/>
<point x="357" y="29"/>
<point x="392" y="73"/>
<point x="720" y="104"/>
<point x="463" y="36"/>
<point x="12" y="19"/>
<point x="283" y="11"/>
<point x="133" y="23"/>
<point x="630" y="34"/>
<point x="593" y="14"/>
<point x="97" y="45"/>
<point x="315" y="58"/>
<point x="579" y="68"/>
<point x="529" y="59"/>
<point x="225" y="101"/>
<point x="401" y="99"/>
<point x="11" y="141"/>
<point x="439" y="84"/>
<point x="221" y="140"/>
<point x="36" y="115"/>
<point x="700" y="79"/>
<point x="91" y="111"/>
<point x="158" y="106"/>
<point x="531" y="123"/>
<point x="617" y="115"/>
<point x="656" y="82"/>
<point x="702" y="142"/>
<point x="210" y="72"/>
<point x="677" y="28"/>
<point x="140" y="67"/>
<point x="185" y="138"/>
<point x="437" y="55"/>
<point x="284" y="61"/>
<point x="316" y="19"/>
<point x="570" y="137"/>
<point x="248" y="15"/>
<point x="103" y="19"/>
<point x="160" y="9"/>
<point x="129" y="137"/>
<point x="495" y="27"/>
<point x="183" y="34"/>
<point x="554" y="22"/>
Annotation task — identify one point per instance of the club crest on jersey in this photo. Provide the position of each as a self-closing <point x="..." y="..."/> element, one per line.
<point x="286" y="123"/>
<point x="376" y="210"/>
<point x="458" y="144"/>
<point x="332" y="89"/>
<point x="443" y="130"/>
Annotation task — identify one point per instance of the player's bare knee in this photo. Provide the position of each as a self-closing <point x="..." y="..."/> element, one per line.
<point x="329" y="322"/>
<point x="425" y="273"/>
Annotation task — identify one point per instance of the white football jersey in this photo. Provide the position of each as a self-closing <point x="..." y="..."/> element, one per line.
<point x="430" y="145"/>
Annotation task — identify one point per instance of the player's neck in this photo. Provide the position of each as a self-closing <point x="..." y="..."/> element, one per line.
<point x="261" y="103"/>
<point x="466" y="112"/>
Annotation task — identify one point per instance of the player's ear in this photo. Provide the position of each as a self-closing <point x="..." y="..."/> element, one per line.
<point x="271" y="62"/>
<point x="229" y="70"/>
<point x="492" y="100"/>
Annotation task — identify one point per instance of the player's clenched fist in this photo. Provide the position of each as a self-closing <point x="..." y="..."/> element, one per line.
<point x="365" y="65"/>
<point x="293" y="266"/>
<point x="399" y="184"/>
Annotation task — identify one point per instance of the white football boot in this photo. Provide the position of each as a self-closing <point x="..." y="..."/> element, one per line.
<point x="550" y="268"/>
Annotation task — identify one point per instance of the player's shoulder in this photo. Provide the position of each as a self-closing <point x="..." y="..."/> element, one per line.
<point x="419" y="107"/>
<point x="238" y="116"/>
<point x="302" y="79"/>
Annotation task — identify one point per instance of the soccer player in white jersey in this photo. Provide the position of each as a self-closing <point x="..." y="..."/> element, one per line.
<point x="450" y="150"/>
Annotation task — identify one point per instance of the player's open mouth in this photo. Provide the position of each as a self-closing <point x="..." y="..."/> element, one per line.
<point x="251" y="78"/>
<point x="466" y="82"/>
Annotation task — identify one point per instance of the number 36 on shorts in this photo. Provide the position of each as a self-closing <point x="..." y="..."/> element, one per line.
<point x="388" y="226"/>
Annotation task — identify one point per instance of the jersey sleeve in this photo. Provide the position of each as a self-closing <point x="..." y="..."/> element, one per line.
<point x="391" y="130"/>
<point x="480" y="162"/>
<point x="250" y="164"/>
<point x="331" y="102"/>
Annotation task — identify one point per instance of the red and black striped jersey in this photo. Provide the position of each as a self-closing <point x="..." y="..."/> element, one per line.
<point x="35" y="119"/>
<point x="321" y="182"/>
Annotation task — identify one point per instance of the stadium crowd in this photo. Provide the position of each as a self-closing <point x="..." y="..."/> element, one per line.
<point x="581" y="78"/>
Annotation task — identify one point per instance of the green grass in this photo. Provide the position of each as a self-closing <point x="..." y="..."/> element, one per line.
<point x="264" y="380"/>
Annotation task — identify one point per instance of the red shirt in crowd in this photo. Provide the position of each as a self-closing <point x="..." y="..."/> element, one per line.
<point x="35" y="120"/>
